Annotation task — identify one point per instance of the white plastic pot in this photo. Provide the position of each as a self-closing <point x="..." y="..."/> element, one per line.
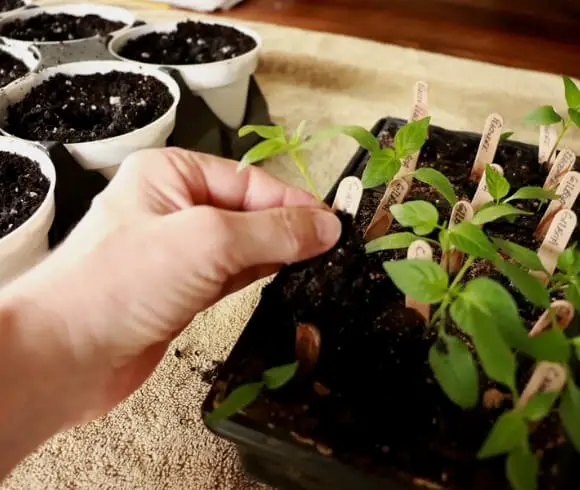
<point x="27" y="245"/>
<point x="27" y="4"/>
<point x="107" y="154"/>
<point x="223" y="85"/>
<point x="29" y="55"/>
<point x="77" y="9"/>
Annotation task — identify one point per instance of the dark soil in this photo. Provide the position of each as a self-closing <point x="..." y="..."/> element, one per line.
<point x="10" y="68"/>
<point x="6" y="5"/>
<point x="73" y="109"/>
<point x="58" y="27"/>
<point x="379" y="409"/>
<point x="191" y="43"/>
<point x="24" y="188"/>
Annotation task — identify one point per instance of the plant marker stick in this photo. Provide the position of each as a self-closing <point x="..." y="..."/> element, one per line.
<point x="556" y="241"/>
<point x="548" y="138"/>
<point x="482" y="195"/>
<point x="563" y="163"/>
<point x="567" y="191"/>
<point x="487" y="146"/>
<point x="547" y="377"/>
<point x="564" y="312"/>
<point x="348" y="195"/>
<point x="462" y="211"/>
<point x="421" y="94"/>
<point x="307" y="346"/>
<point x="421" y="250"/>
<point x="382" y="220"/>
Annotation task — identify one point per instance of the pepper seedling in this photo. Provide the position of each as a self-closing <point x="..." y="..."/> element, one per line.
<point x="546" y="115"/>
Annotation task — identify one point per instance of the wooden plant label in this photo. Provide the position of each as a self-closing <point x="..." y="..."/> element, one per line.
<point x="563" y="163"/>
<point x="462" y="211"/>
<point x="564" y="311"/>
<point x="487" y="146"/>
<point x="547" y="377"/>
<point x="421" y="250"/>
<point x="548" y="138"/>
<point x="568" y="191"/>
<point x="383" y="219"/>
<point x="307" y="346"/>
<point x="482" y="195"/>
<point x="348" y="195"/>
<point x="421" y="94"/>
<point x="556" y="240"/>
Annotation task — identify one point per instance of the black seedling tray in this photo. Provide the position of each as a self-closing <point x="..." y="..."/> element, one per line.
<point x="197" y="128"/>
<point x="273" y="456"/>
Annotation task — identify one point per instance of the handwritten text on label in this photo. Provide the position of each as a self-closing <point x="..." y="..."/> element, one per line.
<point x="487" y="146"/>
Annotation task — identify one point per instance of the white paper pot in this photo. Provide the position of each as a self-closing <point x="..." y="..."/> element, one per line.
<point x="29" y="55"/>
<point x="28" y="244"/>
<point x="78" y="9"/>
<point x="27" y="4"/>
<point x="223" y="85"/>
<point x="107" y="154"/>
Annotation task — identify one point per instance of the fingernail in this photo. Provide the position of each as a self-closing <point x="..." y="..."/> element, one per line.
<point x="328" y="227"/>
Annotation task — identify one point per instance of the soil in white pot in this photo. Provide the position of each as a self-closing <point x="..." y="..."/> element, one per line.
<point x="23" y="190"/>
<point x="58" y="27"/>
<point x="80" y="108"/>
<point x="6" y="5"/>
<point x="189" y="44"/>
<point x="10" y="68"/>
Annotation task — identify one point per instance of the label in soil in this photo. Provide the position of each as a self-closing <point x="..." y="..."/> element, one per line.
<point x="487" y="146"/>
<point x="307" y="346"/>
<point x="567" y="191"/>
<point x="561" y="311"/>
<point x="381" y="223"/>
<point x="556" y="241"/>
<point x="348" y="195"/>
<point x="547" y="377"/>
<point x="482" y="195"/>
<point x="462" y="211"/>
<point x="562" y="164"/>
<point x="548" y="138"/>
<point x="420" y="250"/>
<point x="421" y="94"/>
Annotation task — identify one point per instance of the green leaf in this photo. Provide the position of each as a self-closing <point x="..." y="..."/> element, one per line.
<point x="267" y="132"/>
<point x="532" y="192"/>
<point x="497" y="185"/>
<point x="574" y="115"/>
<point x="576" y="345"/>
<point x="420" y="279"/>
<point x="572" y="93"/>
<point x="422" y="216"/>
<point x="506" y="135"/>
<point x="444" y="240"/>
<point x="539" y="405"/>
<point x="509" y="431"/>
<point x="437" y="180"/>
<point x="526" y="257"/>
<point x="391" y="242"/>
<point x="380" y="168"/>
<point x="237" y="400"/>
<point x="573" y="292"/>
<point x="569" y="261"/>
<point x="570" y="413"/>
<point x="456" y="372"/>
<point x="470" y="239"/>
<point x="263" y="150"/>
<point x="411" y="137"/>
<point x="522" y="468"/>
<point x="297" y="134"/>
<point x="495" y="212"/>
<point x="277" y="377"/>
<point x="531" y="288"/>
<point x="543" y="116"/>
<point x="551" y="345"/>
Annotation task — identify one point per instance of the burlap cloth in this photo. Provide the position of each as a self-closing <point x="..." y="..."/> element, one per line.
<point x="156" y="438"/>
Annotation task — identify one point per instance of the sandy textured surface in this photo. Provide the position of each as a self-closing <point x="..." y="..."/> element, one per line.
<point x="156" y="438"/>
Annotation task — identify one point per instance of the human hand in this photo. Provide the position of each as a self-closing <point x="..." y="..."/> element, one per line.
<point x="172" y="234"/>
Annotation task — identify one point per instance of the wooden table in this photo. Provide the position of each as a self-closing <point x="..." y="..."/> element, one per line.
<point x="522" y="33"/>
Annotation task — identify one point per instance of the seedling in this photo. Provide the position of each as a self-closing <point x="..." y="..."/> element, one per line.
<point x="546" y="115"/>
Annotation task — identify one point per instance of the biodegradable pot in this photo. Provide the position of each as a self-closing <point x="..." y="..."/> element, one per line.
<point x="108" y="12"/>
<point x="381" y="421"/>
<point x="107" y="154"/>
<point x="29" y="55"/>
<point x="27" y="4"/>
<point x="223" y="85"/>
<point x="28" y="244"/>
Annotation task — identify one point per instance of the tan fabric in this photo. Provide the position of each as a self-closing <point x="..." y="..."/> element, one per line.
<point x="156" y="438"/>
